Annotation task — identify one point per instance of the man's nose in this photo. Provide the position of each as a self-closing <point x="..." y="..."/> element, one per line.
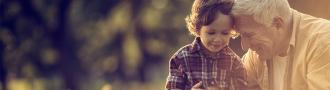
<point x="245" y="45"/>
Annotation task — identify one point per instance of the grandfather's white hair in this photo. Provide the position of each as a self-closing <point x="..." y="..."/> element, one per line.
<point x="262" y="11"/>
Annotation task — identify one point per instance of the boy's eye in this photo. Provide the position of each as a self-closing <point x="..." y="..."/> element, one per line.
<point x="211" y="33"/>
<point x="225" y="33"/>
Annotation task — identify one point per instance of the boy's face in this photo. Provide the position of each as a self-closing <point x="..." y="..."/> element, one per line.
<point x="216" y="35"/>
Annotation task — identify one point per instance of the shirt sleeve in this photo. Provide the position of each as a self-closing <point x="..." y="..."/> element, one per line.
<point x="318" y="75"/>
<point x="176" y="78"/>
<point x="251" y="66"/>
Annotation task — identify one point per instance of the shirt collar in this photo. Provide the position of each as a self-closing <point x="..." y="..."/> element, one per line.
<point x="196" y="44"/>
<point x="295" y="22"/>
<point x="197" y="47"/>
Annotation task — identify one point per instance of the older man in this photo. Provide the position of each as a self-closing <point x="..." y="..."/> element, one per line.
<point x="287" y="50"/>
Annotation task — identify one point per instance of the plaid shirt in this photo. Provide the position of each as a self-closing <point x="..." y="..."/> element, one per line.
<point x="190" y="64"/>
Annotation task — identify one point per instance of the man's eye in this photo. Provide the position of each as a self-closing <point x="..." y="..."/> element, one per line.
<point x="248" y="35"/>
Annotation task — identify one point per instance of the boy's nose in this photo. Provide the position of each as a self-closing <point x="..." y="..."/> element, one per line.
<point x="217" y="40"/>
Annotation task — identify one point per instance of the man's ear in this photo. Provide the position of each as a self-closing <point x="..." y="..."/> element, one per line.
<point x="278" y="22"/>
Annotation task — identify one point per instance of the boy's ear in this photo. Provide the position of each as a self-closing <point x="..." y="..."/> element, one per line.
<point x="278" y="22"/>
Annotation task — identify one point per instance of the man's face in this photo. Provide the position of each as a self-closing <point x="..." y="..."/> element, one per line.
<point x="216" y="35"/>
<point x="256" y="36"/>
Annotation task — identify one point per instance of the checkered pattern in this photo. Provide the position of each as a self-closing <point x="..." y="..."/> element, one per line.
<point x="190" y="65"/>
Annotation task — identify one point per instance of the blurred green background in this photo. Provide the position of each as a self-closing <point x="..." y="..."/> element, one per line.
<point x="97" y="44"/>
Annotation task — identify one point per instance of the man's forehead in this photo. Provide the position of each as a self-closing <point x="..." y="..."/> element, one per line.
<point x="243" y="18"/>
<point x="243" y="22"/>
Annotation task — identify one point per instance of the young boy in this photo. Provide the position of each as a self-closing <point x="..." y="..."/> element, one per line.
<point x="207" y="62"/>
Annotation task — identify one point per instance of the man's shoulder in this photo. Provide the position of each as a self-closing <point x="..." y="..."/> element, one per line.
<point x="312" y="25"/>
<point x="315" y="33"/>
<point x="312" y="30"/>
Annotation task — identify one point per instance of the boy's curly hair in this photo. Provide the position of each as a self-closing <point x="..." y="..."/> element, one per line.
<point x="203" y="13"/>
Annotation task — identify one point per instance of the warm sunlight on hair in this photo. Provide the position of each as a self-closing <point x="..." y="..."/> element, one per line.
<point x="234" y="34"/>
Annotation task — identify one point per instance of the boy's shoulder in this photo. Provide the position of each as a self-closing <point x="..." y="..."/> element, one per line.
<point x="186" y="51"/>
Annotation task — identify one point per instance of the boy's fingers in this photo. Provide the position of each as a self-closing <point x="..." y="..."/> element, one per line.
<point x="198" y="85"/>
<point x="212" y="88"/>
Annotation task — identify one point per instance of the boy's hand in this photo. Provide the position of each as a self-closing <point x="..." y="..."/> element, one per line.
<point x="199" y="86"/>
